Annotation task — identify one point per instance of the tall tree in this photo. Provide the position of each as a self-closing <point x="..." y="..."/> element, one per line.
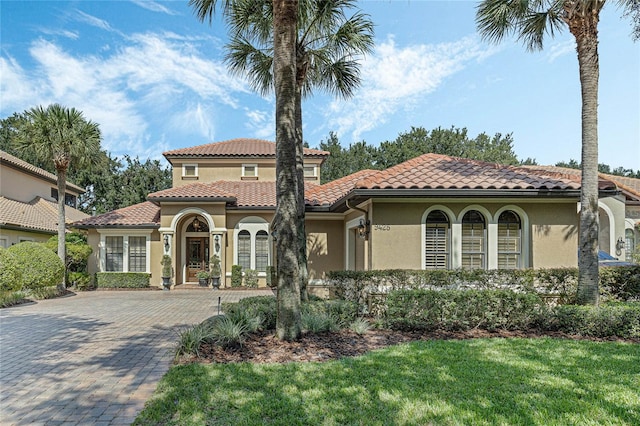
<point x="63" y="137"/>
<point x="285" y="23"/>
<point x="529" y="21"/>
<point x="328" y="47"/>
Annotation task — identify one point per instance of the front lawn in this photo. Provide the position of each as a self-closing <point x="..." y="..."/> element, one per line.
<point x="483" y="381"/>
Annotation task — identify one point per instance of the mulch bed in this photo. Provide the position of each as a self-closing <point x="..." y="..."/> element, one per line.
<point x="265" y="347"/>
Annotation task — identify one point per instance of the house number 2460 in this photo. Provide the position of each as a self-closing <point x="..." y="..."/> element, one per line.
<point x="382" y="227"/>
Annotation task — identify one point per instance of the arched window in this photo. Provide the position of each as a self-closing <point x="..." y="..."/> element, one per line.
<point x="252" y="244"/>
<point x="437" y="241"/>
<point x="509" y="240"/>
<point x="473" y="240"/>
<point x="244" y="249"/>
<point x="262" y="251"/>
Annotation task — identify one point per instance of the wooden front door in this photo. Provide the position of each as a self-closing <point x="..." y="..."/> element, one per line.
<point x="197" y="256"/>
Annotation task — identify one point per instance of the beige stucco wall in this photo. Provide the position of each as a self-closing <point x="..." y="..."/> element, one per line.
<point x="9" y="237"/>
<point x="325" y="247"/>
<point x="612" y="212"/>
<point x="25" y="187"/>
<point x="93" y="239"/>
<point x="396" y="232"/>
<point x="232" y="170"/>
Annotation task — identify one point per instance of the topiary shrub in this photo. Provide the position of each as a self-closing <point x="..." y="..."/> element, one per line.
<point x="40" y="266"/>
<point x="10" y="271"/>
<point x="251" y="278"/>
<point x="618" y="320"/>
<point x="236" y="276"/>
<point x="272" y="278"/>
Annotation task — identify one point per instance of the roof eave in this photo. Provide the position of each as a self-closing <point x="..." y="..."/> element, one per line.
<point x="115" y="226"/>
<point x="183" y="199"/>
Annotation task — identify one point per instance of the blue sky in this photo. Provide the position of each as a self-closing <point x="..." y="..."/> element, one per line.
<point x="153" y="77"/>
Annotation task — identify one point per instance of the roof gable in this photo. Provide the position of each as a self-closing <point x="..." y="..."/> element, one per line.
<point x="38" y="214"/>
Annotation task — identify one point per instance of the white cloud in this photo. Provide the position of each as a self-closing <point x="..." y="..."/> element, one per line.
<point x="153" y="6"/>
<point x="56" y="32"/>
<point x="130" y="92"/>
<point x="92" y="20"/>
<point x="397" y="78"/>
<point x="261" y="123"/>
<point x="561" y="49"/>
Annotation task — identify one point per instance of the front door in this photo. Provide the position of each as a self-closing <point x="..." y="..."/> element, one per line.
<point x="197" y="256"/>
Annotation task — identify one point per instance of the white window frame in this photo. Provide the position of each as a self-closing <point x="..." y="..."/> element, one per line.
<point x="253" y="225"/>
<point x="255" y="168"/>
<point x="314" y="168"/>
<point x="184" y="171"/>
<point x="125" y="234"/>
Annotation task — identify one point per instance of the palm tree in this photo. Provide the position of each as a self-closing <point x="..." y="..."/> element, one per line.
<point x="529" y="21"/>
<point x="328" y="46"/>
<point x="63" y="137"/>
<point x="284" y="69"/>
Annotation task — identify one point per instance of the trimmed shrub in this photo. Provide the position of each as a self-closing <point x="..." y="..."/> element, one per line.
<point x="272" y="278"/>
<point x="251" y="278"/>
<point x="344" y="311"/>
<point x="80" y="280"/>
<point x="453" y="310"/>
<point x="619" y="320"/>
<point x="122" y="279"/>
<point x="620" y="283"/>
<point x="10" y="271"/>
<point x="236" y="276"/>
<point x="260" y="306"/>
<point x="40" y="266"/>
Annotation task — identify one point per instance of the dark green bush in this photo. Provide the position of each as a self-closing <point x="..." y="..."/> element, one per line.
<point x="272" y="278"/>
<point x="251" y="278"/>
<point x="263" y="306"/>
<point x="343" y="311"/>
<point x="620" y="283"/>
<point x="77" y="251"/>
<point x="40" y="266"/>
<point x="452" y="310"/>
<point x="236" y="276"/>
<point x="122" y="279"/>
<point x="10" y="271"/>
<point x="619" y="320"/>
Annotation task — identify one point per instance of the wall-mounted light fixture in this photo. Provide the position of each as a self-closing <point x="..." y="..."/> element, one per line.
<point x="166" y="242"/>
<point x="363" y="229"/>
<point x="216" y="243"/>
<point x="196" y="224"/>
<point x="619" y="246"/>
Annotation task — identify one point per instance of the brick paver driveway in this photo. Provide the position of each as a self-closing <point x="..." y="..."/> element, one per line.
<point x="93" y="358"/>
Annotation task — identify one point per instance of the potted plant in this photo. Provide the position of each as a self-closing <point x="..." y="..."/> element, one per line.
<point x="166" y="271"/>
<point x="214" y="264"/>
<point x="203" y="278"/>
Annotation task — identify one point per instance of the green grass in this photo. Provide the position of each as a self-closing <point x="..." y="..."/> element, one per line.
<point x="479" y="382"/>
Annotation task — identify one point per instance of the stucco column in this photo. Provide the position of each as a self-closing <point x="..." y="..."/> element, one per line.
<point x="456" y="245"/>
<point x="492" y="246"/>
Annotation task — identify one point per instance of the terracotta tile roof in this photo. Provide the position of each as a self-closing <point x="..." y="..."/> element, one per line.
<point x="434" y="171"/>
<point x="146" y="214"/>
<point x="330" y="192"/>
<point x="242" y="147"/>
<point x="38" y="214"/>
<point x="8" y="159"/>
<point x="237" y="193"/>
<point x="631" y="185"/>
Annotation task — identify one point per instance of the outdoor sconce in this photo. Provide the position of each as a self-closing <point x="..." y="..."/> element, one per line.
<point x="619" y="246"/>
<point x="216" y="240"/>
<point x="166" y="242"/>
<point x="196" y="224"/>
<point x="363" y="229"/>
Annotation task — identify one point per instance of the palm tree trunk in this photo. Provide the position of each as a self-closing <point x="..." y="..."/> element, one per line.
<point x="302" y="232"/>
<point x="584" y="26"/>
<point x="285" y="14"/>
<point x="62" y="189"/>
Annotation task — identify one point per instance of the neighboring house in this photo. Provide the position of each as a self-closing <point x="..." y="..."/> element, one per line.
<point x="430" y="212"/>
<point x="28" y="202"/>
<point x="617" y="238"/>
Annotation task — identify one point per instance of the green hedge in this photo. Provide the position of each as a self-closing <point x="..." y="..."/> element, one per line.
<point x="620" y="320"/>
<point x="40" y="266"/>
<point x="620" y="283"/>
<point x="236" y="275"/>
<point x="122" y="279"/>
<point x="455" y="310"/>
<point x="10" y="271"/>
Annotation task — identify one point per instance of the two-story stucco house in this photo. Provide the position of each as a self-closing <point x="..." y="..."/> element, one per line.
<point x="433" y="211"/>
<point x="28" y="202"/>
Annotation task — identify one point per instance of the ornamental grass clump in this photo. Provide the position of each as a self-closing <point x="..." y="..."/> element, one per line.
<point x="360" y="326"/>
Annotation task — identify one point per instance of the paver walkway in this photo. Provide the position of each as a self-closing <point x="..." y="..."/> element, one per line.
<point x="94" y="358"/>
